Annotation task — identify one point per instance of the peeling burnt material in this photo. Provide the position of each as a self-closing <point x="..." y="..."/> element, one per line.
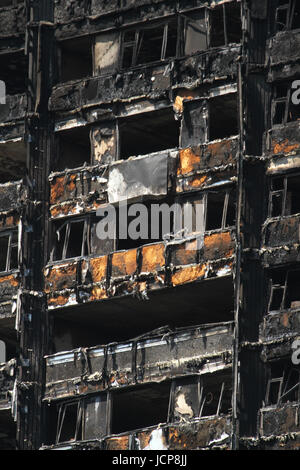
<point x="151" y="102"/>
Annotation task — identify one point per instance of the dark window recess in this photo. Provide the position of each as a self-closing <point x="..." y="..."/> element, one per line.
<point x="74" y="148"/>
<point x="151" y="44"/>
<point x="69" y="422"/>
<point x="147" y="133"/>
<point x="71" y="239"/>
<point x="287" y="15"/>
<point x="140" y="407"/>
<point x="195" y="32"/>
<point x="9" y="3"/>
<point x="283" y="109"/>
<point x="220" y="209"/>
<point x="284" y="290"/>
<point x="13" y="71"/>
<point x="284" y="196"/>
<point x="283" y="385"/>
<point x="8" y="251"/>
<point x="223" y="112"/>
<point x="75" y="59"/>
<point x="164" y="225"/>
<point x="225" y="24"/>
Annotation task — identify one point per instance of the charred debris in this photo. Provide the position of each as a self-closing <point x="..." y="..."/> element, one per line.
<point x="191" y="100"/>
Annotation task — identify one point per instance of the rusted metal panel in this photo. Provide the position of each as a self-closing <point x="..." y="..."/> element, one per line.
<point x="153" y="258"/>
<point x="218" y="245"/>
<point x="97" y="268"/>
<point x="189" y="274"/>
<point x="117" y="443"/>
<point x="9" y="286"/>
<point x="61" y="277"/>
<point x="124" y="263"/>
<point x="207" y="156"/>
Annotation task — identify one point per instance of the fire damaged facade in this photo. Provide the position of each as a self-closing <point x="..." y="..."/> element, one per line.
<point x="160" y="343"/>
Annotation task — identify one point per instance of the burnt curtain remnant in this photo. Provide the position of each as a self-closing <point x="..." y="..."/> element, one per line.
<point x="182" y="339"/>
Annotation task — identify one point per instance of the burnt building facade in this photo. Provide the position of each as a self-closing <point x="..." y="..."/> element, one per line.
<point x="164" y="342"/>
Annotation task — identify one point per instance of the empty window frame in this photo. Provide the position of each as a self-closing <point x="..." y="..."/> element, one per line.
<point x="283" y="109"/>
<point x="284" y="196"/>
<point x="71" y="239"/>
<point x="195" y="31"/>
<point x="70" y="422"/>
<point x="287" y="15"/>
<point x="283" y="385"/>
<point x="75" y="59"/>
<point x="223" y="116"/>
<point x="8" y="251"/>
<point x="220" y="209"/>
<point x="225" y="24"/>
<point x="284" y="290"/>
<point x="200" y="397"/>
<point x="147" y="133"/>
<point x="149" y="44"/>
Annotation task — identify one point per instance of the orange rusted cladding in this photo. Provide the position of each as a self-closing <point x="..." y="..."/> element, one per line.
<point x="284" y="147"/>
<point x="57" y="189"/>
<point x="64" y="209"/>
<point x="185" y="253"/>
<point x="58" y="301"/>
<point x="60" y="277"/>
<point x="183" y="95"/>
<point x="218" y="245"/>
<point x="62" y="188"/>
<point x="144" y="439"/>
<point x="11" y="280"/>
<point x="124" y="263"/>
<point x="153" y="258"/>
<point x="9" y="221"/>
<point x="207" y="156"/>
<point x="98" y="293"/>
<point x="189" y="274"/>
<point x="117" y="443"/>
<point x="98" y="267"/>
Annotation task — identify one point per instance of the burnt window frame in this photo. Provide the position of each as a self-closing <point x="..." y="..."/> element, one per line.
<point x="226" y="17"/>
<point x="62" y="407"/>
<point x="289" y="6"/>
<point x="283" y="391"/>
<point x="282" y="193"/>
<point x="285" y="101"/>
<point x="283" y="287"/>
<point x="137" y="42"/>
<point x="86" y="237"/>
<point x="11" y="245"/>
<point x="227" y="191"/>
